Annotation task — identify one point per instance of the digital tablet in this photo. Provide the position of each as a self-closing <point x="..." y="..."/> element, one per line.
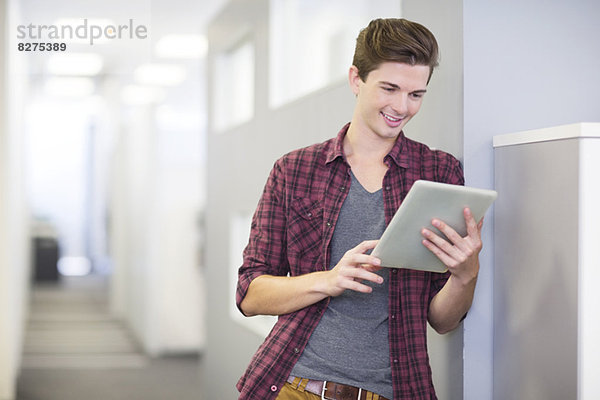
<point x="401" y="244"/>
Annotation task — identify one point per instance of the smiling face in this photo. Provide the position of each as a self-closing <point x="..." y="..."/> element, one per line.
<point x="391" y="95"/>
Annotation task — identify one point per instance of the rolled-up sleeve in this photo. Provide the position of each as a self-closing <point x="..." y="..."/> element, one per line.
<point x="266" y="252"/>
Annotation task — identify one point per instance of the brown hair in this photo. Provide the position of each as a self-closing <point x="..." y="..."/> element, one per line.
<point x="397" y="40"/>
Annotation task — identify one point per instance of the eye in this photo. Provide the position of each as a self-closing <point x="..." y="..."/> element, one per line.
<point x="417" y="95"/>
<point x="388" y="89"/>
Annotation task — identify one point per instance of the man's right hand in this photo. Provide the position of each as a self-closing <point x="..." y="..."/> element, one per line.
<point x="277" y="295"/>
<point x="354" y="267"/>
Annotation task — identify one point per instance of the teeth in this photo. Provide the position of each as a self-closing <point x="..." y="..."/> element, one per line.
<point x="391" y="118"/>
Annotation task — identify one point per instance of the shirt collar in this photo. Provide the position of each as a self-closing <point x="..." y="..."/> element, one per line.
<point x="399" y="153"/>
<point x="337" y="148"/>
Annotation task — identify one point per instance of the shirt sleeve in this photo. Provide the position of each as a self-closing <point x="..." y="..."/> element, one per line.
<point x="266" y="249"/>
<point x="451" y="172"/>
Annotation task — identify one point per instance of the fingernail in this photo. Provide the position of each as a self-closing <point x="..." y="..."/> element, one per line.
<point x="436" y="223"/>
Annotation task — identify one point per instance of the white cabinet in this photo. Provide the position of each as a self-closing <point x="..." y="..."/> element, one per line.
<point x="547" y="264"/>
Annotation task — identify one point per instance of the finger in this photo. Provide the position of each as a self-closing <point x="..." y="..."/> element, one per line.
<point x="365" y="246"/>
<point x="361" y="274"/>
<point x="472" y="226"/>
<point x="358" y="287"/>
<point x="361" y="258"/>
<point x="441" y="243"/>
<point x="473" y="241"/>
<point x="370" y="267"/>
<point x="447" y="230"/>
<point x="446" y="259"/>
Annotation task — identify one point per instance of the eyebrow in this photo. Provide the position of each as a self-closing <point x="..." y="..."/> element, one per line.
<point x="421" y="91"/>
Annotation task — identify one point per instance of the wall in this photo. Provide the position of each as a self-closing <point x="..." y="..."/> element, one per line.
<point x="14" y="249"/>
<point x="7" y="368"/>
<point x="156" y="286"/>
<point x="239" y="161"/>
<point x="133" y="213"/>
<point x="527" y="64"/>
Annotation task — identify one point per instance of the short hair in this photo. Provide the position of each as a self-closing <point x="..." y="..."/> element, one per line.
<point x="396" y="40"/>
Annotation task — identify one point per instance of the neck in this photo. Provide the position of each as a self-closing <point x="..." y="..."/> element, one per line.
<point x="366" y="145"/>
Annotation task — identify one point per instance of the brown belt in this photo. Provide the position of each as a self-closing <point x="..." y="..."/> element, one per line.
<point x="334" y="391"/>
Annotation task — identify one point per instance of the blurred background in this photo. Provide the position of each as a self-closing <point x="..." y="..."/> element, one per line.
<point x="104" y="156"/>
<point x="132" y="160"/>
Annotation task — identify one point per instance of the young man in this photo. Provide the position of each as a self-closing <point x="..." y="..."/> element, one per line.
<point x="347" y="328"/>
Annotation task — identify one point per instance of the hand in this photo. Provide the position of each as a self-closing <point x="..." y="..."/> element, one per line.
<point x="459" y="254"/>
<point x="354" y="267"/>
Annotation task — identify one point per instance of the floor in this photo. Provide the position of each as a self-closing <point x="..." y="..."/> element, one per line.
<point x="75" y="350"/>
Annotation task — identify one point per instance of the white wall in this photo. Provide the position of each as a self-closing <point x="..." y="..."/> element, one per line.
<point x="156" y="198"/>
<point x="527" y="64"/>
<point x="14" y="247"/>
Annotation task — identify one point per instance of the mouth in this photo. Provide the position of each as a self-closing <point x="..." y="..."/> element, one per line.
<point x="392" y="121"/>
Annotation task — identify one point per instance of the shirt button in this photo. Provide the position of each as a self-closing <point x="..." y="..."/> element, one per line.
<point x="309" y="215"/>
<point x="328" y="223"/>
<point x="273" y="388"/>
<point x="394" y="270"/>
<point x="342" y="189"/>
<point x="393" y="316"/>
<point x="388" y="187"/>
<point x="296" y="350"/>
<point x="395" y="361"/>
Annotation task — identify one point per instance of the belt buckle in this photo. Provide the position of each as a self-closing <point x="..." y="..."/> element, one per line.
<point x="325" y="388"/>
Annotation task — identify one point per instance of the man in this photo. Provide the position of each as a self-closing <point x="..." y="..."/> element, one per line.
<point x="348" y="328"/>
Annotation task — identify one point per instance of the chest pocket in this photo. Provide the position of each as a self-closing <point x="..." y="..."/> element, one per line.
<point x="305" y="231"/>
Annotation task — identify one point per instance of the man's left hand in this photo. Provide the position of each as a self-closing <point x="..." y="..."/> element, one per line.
<point x="459" y="254"/>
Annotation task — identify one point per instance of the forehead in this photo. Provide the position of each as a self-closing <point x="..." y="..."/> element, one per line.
<point x="400" y="74"/>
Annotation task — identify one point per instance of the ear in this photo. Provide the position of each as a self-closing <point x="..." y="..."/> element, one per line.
<point x="354" y="80"/>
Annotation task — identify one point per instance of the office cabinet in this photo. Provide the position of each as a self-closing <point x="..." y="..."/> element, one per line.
<point x="547" y="264"/>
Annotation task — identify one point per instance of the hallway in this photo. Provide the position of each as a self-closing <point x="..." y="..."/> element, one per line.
<point x="75" y="350"/>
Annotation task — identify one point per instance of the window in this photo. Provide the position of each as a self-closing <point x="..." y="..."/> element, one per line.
<point x="311" y="42"/>
<point x="233" y="92"/>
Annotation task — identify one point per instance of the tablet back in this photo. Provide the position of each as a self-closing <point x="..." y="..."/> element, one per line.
<point x="400" y="245"/>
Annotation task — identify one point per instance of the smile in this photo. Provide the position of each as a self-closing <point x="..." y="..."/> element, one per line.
<point x="392" y="121"/>
<point x="390" y="118"/>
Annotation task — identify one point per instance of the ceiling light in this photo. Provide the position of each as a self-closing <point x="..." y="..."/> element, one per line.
<point x="182" y="46"/>
<point x="82" y="64"/>
<point x="135" y="95"/>
<point x="159" y="74"/>
<point x="69" y="87"/>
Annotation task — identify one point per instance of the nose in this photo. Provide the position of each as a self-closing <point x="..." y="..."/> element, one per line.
<point x="400" y="104"/>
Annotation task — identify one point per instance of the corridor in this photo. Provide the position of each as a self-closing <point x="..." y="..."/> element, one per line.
<point x="75" y="350"/>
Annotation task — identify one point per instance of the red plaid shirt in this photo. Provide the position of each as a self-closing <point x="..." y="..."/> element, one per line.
<point x="291" y="233"/>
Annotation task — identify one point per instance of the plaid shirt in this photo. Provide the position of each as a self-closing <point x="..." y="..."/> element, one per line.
<point x="291" y="233"/>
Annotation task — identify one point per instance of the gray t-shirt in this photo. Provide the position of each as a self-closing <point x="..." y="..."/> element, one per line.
<point x="350" y="345"/>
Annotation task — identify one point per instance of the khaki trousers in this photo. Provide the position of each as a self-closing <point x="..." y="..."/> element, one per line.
<point x="296" y="392"/>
